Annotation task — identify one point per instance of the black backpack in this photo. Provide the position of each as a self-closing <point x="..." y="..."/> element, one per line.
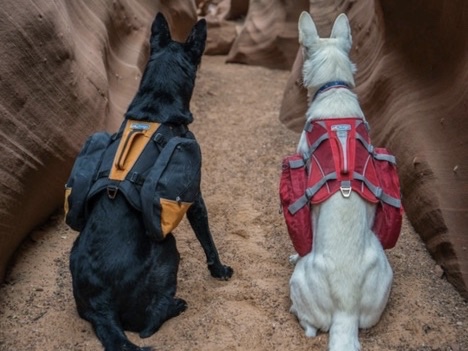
<point x="156" y="167"/>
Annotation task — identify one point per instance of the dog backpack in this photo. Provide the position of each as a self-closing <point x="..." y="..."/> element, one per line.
<point x="156" y="167"/>
<point x="340" y="158"/>
<point x="82" y="177"/>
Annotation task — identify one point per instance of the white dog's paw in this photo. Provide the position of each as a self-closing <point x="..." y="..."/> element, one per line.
<point x="294" y="258"/>
<point x="310" y="331"/>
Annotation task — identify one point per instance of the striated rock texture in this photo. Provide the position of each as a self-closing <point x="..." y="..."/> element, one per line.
<point x="412" y="60"/>
<point x="269" y="35"/>
<point x="68" y="68"/>
<point x="225" y="20"/>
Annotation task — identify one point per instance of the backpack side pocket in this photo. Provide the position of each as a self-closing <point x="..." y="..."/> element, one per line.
<point x="293" y="184"/>
<point x="389" y="213"/>
<point x="171" y="186"/>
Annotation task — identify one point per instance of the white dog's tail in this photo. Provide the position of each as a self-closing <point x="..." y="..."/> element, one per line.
<point x="344" y="333"/>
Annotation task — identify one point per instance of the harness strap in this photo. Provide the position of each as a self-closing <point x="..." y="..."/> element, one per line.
<point x="309" y="193"/>
<point x="296" y="163"/>
<point x="384" y="157"/>
<point x="376" y="155"/>
<point x="367" y="146"/>
<point x="315" y="145"/>
<point x="378" y="192"/>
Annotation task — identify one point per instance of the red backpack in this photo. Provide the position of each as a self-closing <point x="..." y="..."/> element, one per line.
<point x="340" y="158"/>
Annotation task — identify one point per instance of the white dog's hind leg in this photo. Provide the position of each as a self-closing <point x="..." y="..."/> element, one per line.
<point x="376" y="291"/>
<point x="310" y="330"/>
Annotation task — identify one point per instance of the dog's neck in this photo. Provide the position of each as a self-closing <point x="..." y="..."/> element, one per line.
<point x="331" y="85"/>
<point x="334" y="99"/>
<point x="160" y="107"/>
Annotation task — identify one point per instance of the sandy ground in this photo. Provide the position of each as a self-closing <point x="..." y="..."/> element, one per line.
<point x="236" y="111"/>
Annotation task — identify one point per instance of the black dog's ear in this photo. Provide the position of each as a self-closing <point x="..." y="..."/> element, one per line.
<point x="160" y="33"/>
<point x="195" y="43"/>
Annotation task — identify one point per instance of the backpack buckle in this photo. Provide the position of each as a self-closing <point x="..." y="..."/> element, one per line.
<point x="346" y="188"/>
<point x="112" y="191"/>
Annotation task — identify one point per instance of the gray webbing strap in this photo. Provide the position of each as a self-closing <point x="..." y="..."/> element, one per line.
<point x="304" y="199"/>
<point x="378" y="192"/>
<point x="378" y="156"/>
<point x="367" y="146"/>
<point x="315" y="145"/>
<point x="296" y="163"/>
<point x="384" y="157"/>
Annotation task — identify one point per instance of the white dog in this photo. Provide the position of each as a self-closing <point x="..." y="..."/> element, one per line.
<point x="344" y="283"/>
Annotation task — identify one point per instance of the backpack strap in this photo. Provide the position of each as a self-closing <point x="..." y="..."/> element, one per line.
<point x="378" y="192"/>
<point x="309" y="193"/>
<point x="384" y="157"/>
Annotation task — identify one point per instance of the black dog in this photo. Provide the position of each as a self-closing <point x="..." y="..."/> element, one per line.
<point x="123" y="279"/>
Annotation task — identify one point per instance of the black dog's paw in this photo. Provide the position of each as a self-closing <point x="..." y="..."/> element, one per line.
<point x="180" y="305"/>
<point x="220" y="271"/>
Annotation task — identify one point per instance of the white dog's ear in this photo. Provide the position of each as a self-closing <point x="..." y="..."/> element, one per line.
<point x="342" y="30"/>
<point x="307" y="30"/>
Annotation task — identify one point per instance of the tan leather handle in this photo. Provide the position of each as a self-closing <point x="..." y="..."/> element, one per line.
<point x="120" y="164"/>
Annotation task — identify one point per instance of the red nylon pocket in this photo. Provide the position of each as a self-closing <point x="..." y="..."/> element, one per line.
<point x="293" y="184"/>
<point x="388" y="219"/>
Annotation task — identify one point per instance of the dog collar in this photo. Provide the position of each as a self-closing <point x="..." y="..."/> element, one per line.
<point x="331" y="85"/>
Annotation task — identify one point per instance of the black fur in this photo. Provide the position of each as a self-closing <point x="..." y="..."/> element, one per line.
<point x="122" y="279"/>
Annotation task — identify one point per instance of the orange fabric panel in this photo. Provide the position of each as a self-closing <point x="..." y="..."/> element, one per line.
<point x="172" y="213"/>
<point x="136" y="136"/>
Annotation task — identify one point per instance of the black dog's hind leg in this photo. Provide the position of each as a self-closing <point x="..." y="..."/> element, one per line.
<point x="111" y="335"/>
<point x="198" y="218"/>
<point x="164" y="308"/>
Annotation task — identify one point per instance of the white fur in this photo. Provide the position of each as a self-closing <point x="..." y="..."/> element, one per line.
<point x="344" y="283"/>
